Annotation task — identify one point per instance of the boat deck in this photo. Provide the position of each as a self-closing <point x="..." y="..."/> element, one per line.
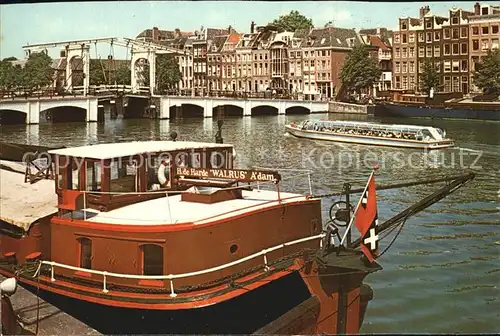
<point x="172" y="210"/>
<point x="22" y="204"/>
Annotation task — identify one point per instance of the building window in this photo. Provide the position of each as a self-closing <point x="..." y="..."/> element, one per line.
<point x="437" y="51"/>
<point x="429" y="37"/>
<point x="421" y="37"/>
<point x="464" y="65"/>
<point x="403" y="38"/>
<point x="85" y="253"/>
<point x="152" y="259"/>
<point x="412" y="82"/>
<point x="456" y="84"/>
<point x="447" y="86"/>
<point x="421" y="51"/>
<point x="412" y="67"/>
<point x="411" y="37"/>
<point x="429" y="51"/>
<point x="405" y="67"/>
<point x="494" y="29"/>
<point x="405" y="82"/>
<point x="455" y="49"/>
<point x="404" y="25"/>
<point x="446" y="50"/>
<point x="428" y="23"/>
<point x="397" y="69"/>
<point x="484" y="45"/>
<point x="494" y="43"/>
<point x="454" y="20"/>
<point x="421" y="67"/>
<point x="437" y="35"/>
<point x="475" y="44"/>
<point x="475" y="30"/>
<point x="405" y="54"/>
<point x="463" y="48"/>
<point x="437" y="65"/>
<point x="412" y="51"/>
<point x="398" y="82"/>
<point x="463" y="32"/>
<point x="455" y="33"/>
<point x="446" y="33"/>
<point x="397" y="53"/>
<point x="456" y="66"/>
<point x="447" y="66"/>
<point x="485" y="30"/>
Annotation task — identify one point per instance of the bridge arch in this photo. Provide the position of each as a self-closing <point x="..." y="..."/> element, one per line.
<point x="228" y="110"/>
<point x="297" y="109"/>
<point x="65" y="113"/>
<point x="12" y="117"/>
<point x="263" y="109"/>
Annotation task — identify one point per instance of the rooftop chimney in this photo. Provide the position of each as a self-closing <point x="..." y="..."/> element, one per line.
<point x="177" y="32"/>
<point x="252" y="27"/>
<point x="229" y="29"/>
<point x="156" y="33"/>
<point x="477" y="8"/>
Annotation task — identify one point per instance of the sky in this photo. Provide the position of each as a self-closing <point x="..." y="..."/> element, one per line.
<point x="22" y="24"/>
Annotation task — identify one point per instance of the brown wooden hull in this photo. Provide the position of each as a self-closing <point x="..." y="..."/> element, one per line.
<point x="15" y="151"/>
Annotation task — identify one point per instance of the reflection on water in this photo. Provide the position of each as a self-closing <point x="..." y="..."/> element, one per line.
<point x="442" y="273"/>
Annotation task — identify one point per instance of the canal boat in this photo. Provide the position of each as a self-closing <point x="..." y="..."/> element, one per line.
<point x="169" y="237"/>
<point x="367" y="133"/>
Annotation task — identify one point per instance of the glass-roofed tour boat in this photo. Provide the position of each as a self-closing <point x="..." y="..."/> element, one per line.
<point x="366" y="133"/>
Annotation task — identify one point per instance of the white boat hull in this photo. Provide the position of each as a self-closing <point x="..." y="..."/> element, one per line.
<point x="368" y="140"/>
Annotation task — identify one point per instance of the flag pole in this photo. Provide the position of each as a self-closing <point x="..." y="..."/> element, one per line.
<point x="356" y="209"/>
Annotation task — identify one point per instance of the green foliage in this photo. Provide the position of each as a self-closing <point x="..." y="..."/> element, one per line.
<point x="38" y="71"/>
<point x="168" y="74"/>
<point x="121" y="76"/>
<point x="429" y="77"/>
<point x="360" y="70"/>
<point x="96" y="72"/>
<point x="292" y="22"/>
<point x="8" y="75"/>
<point x="11" y="58"/>
<point x="487" y="74"/>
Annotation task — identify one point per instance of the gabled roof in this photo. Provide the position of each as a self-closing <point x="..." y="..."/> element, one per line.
<point x="332" y="37"/>
<point x="376" y="41"/>
<point x="217" y="43"/>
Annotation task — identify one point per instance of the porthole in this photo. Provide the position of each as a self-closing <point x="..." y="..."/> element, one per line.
<point x="233" y="248"/>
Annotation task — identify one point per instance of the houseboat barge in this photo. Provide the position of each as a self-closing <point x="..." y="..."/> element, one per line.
<point x="169" y="237"/>
<point x="366" y="133"/>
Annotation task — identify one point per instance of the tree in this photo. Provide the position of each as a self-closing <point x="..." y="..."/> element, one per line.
<point x="487" y="74"/>
<point x="429" y="77"/>
<point x="121" y="76"/>
<point x="292" y="22"/>
<point x="360" y="70"/>
<point x="38" y="70"/>
<point x="96" y="72"/>
<point x="10" y="76"/>
<point x="168" y="74"/>
<point x="11" y="58"/>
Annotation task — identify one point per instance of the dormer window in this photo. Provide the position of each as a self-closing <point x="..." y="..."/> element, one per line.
<point x="323" y="40"/>
<point x="485" y="11"/>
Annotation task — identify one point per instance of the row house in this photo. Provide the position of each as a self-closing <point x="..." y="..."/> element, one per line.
<point x="156" y="35"/>
<point x="244" y="61"/>
<point x="380" y="39"/>
<point x="228" y="62"/>
<point x="484" y="33"/>
<point x="453" y="43"/>
<point x="323" y="54"/>
<point x="214" y="69"/>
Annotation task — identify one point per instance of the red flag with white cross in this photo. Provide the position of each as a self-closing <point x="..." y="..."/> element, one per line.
<point x="366" y="220"/>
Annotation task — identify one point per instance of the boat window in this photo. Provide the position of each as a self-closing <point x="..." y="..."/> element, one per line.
<point x="77" y="164"/>
<point x="124" y="177"/>
<point x="426" y="134"/>
<point x="85" y="253"/>
<point x="93" y="179"/>
<point x="152" y="259"/>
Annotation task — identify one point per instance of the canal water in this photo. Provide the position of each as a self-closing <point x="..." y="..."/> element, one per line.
<point x="442" y="273"/>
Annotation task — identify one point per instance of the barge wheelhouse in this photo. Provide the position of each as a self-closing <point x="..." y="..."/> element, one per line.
<point x="169" y="237"/>
<point x="408" y="136"/>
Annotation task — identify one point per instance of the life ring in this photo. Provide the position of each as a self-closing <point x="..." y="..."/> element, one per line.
<point x="164" y="170"/>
